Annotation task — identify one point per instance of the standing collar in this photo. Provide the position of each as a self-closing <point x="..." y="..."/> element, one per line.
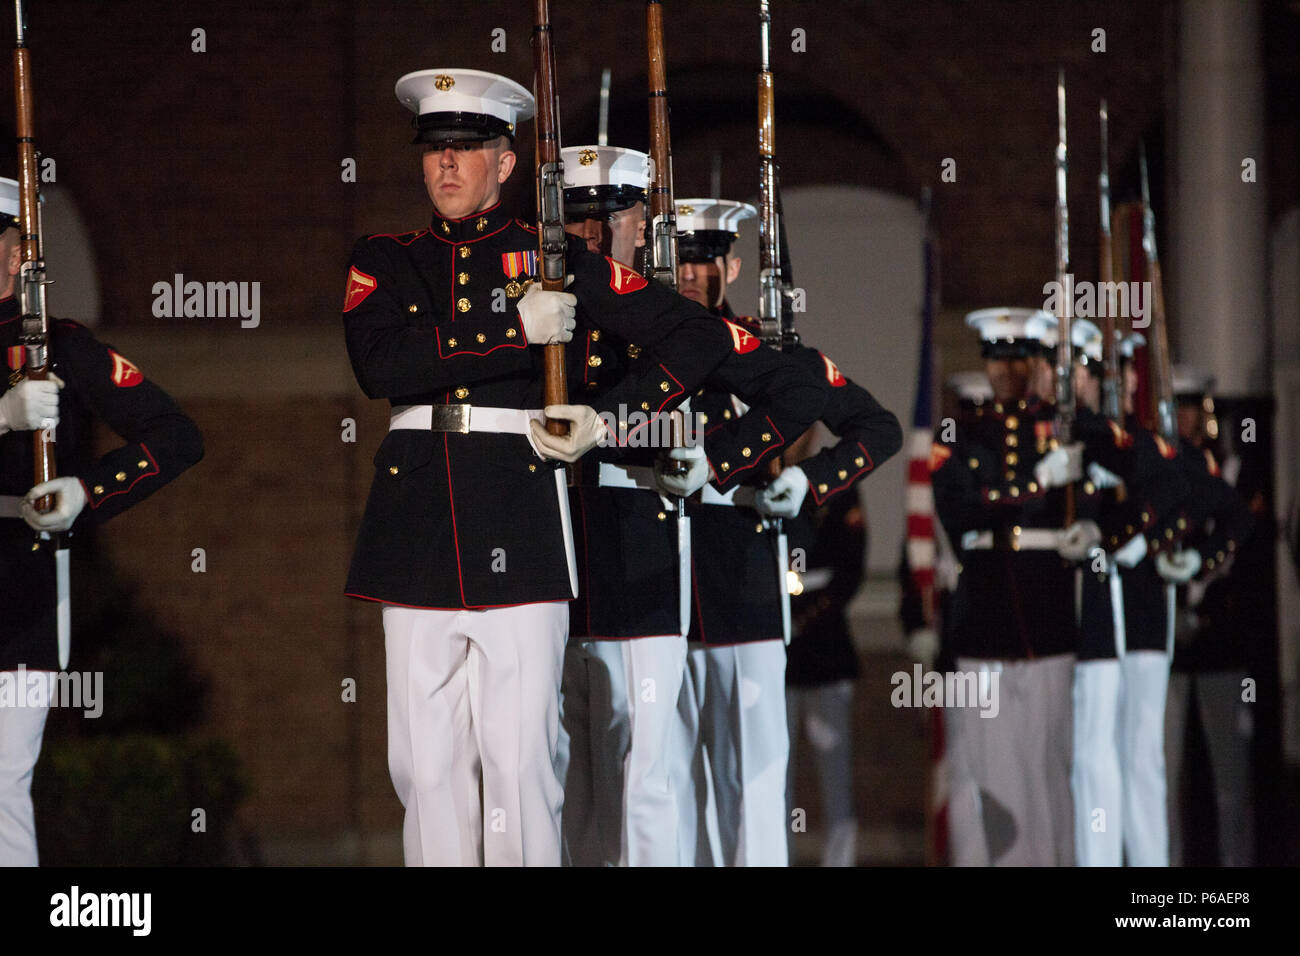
<point x="470" y="228"/>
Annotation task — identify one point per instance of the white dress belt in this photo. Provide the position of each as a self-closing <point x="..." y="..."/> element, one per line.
<point x="1027" y="539"/>
<point x="463" y="418"/>
<point x="626" y="476"/>
<point x="742" y="496"/>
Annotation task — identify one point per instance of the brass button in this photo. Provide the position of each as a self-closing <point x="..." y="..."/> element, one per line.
<point x="766" y="436"/>
<point x="480" y="338"/>
<point x="1014" y="491"/>
<point x="746" y="452"/>
<point x="594" y="361"/>
<point x="994" y="494"/>
<point x="120" y="476"/>
<point x="532" y="467"/>
<point x="1012" y="440"/>
<point x="1169" y="536"/>
<point x="842" y="473"/>
<point x="1012" y="458"/>
<point x="645" y="406"/>
<point x="142" y="463"/>
<point x="661" y="516"/>
<point x="759" y="527"/>
<point x="1146" y="517"/>
<point x="1208" y="564"/>
<point x="511" y="333"/>
<point x="595" y="335"/>
<point x="726" y="413"/>
<point x="481" y="223"/>
<point x="451" y="343"/>
<point x="1182" y="523"/>
<point x="1128" y="529"/>
<point x="463" y="278"/>
<point x="997" y="407"/>
<point x="462" y="305"/>
<point x="1010" y="476"/>
<point x="858" y="461"/>
<point x="663" y="386"/>
<point x="392" y="470"/>
<point x="99" y="489"/>
<point x="822" y="488"/>
<point x="1089" y="488"/>
<point x="1021" y="404"/>
<point x="704" y="419"/>
<point x="973" y="462"/>
<point x="1012" y="422"/>
<point x="725" y="466"/>
<point x="1033" y="487"/>
<point x="413" y="308"/>
<point x="1218" y="556"/>
<point x="634" y="351"/>
<point x="464" y="252"/>
<point x="446" y="229"/>
<point x="622" y="426"/>
<point x="462" y="391"/>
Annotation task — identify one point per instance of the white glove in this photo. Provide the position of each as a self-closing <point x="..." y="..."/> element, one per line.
<point x="1179" y="567"/>
<point x="1061" y="466"/>
<point x="695" y="478"/>
<point x="548" y="316"/>
<point x="784" y="496"/>
<point x="1131" y="555"/>
<point x="1076" y="542"/>
<point x="30" y="405"/>
<point x="69" y="499"/>
<point x="585" y="430"/>
<point x="1102" y="478"/>
<point x="923" y="645"/>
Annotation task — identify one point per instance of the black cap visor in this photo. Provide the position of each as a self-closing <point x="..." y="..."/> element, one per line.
<point x="1011" y="348"/>
<point x="703" y="245"/>
<point x="451" y="128"/>
<point x="597" y="202"/>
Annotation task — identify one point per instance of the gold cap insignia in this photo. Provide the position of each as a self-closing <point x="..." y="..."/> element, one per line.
<point x="587" y="157"/>
<point x="444" y="82"/>
<point x="685" y="210"/>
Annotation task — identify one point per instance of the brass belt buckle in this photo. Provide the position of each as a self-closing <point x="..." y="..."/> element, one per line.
<point x="450" y="418"/>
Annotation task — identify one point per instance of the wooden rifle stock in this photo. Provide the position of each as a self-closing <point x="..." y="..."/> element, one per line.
<point x="550" y="201"/>
<point x="663" y="216"/>
<point x="31" y="279"/>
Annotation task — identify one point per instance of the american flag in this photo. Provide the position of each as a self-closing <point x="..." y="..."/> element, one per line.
<point x="921" y="542"/>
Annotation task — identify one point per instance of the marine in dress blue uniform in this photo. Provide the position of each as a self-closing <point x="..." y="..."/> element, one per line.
<point x="466" y="539"/>
<point x="732" y="708"/>
<point x="91" y="380"/>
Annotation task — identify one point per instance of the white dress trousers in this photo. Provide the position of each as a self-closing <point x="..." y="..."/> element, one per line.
<point x="619" y="707"/>
<point x="21" y="730"/>
<point x="1017" y="766"/>
<point x="474" y="701"/>
<point x="740" y="695"/>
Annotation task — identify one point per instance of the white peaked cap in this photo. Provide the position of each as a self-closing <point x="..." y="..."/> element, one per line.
<point x="1012" y="324"/>
<point x="428" y="93"/>
<point x="971" y="386"/>
<point x="1128" y="343"/>
<point x="1192" y="381"/>
<point x="596" y="166"/>
<point x="1086" y="336"/>
<point x="8" y="198"/>
<point x="712" y="215"/>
